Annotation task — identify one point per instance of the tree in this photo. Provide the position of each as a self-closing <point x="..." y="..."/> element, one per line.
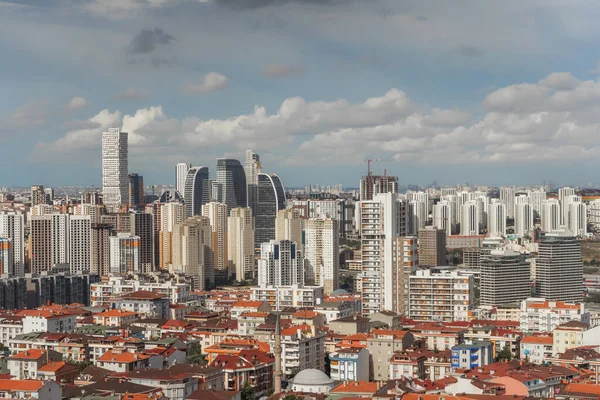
<point x="248" y="392"/>
<point x="194" y="354"/>
<point x="505" y="354"/>
<point x="293" y="397"/>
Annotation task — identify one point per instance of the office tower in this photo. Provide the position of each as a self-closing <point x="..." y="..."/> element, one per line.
<point x="432" y="247"/>
<point x="171" y="214"/>
<point x="469" y="223"/>
<point x="289" y="225"/>
<point x="559" y="267"/>
<point x="192" y="251"/>
<point x="536" y="198"/>
<point x="217" y="213"/>
<point x="505" y="278"/>
<point x="141" y="225"/>
<point x="280" y="264"/>
<point x="80" y="243"/>
<point x="408" y="261"/>
<point x="6" y="261"/>
<point x="442" y="217"/>
<point x="507" y="197"/>
<point x="40" y="244"/>
<point x="578" y="218"/>
<point x="240" y="243"/>
<point x="383" y="219"/>
<point x="12" y="226"/>
<point x="523" y="219"/>
<point x="563" y="195"/>
<point x="196" y="191"/>
<point x="371" y="185"/>
<point x="115" y="188"/>
<point x="49" y="195"/>
<point x="418" y="216"/>
<point x="550" y="215"/>
<point x="270" y="199"/>
<point x="252" y="169"/>
<point x="124" y="254"/>
<point x="100" y="248"/>
<point x="321" y="253"/>
<point x="181" y="170"/>
<point x="37" y="195"/>
<point x="232" y="181"/>
<point x="136" y="190"/>
<point x="497" y="219"/>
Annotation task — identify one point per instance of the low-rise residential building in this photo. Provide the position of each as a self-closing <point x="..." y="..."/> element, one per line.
<point x="244" y="306"/>
<point x="381" y="345"/>
<point x="350" y="325"/>
<point x="144" y="303"/>
<point x="540" y="315"/>
<point x="25" y="364"/>
<point x="388" y="318"/>
<point x="302" y="347"/>
<point x="288" y="296"/>
<point x="115" y="317"/>
<point x="536" y="349"/>
<point x="30" y="389"/>
<point x="351" y="364"/>
<point x="47" y="321"/>
<point x="73" y="347"/>
<point x="175" y="386"/>
<point x="58" y="371"/>
<point x="123" y="361"/>
<point x="439" y="336"/>
<point x="568" y="336"/>
<point x="10" y="326"/>
<point x="248" y="321"/>
<point x="333" y="310"/>
<point x="407" y="364"/>
<point x="249" y="366"/>
<point x="470" y="356"/>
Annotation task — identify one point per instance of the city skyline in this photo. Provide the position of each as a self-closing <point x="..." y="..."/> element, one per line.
<point x="447" y="91"/>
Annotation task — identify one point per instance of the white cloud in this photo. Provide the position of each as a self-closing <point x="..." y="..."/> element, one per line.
<point x="212" y="81"/>
<point x="76" y="104"/>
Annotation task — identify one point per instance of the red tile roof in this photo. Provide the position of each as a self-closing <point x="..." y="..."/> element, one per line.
<point x="247" y="304"/>
<point x="142" y="295"/>
<point x="124" y="357"/>
<point x="32" y="354"/>
<point x="356" y="387"/>
<point x="20" y="385"/>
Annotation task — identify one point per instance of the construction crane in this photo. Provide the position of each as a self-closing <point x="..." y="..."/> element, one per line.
<point x="370" y="160"/>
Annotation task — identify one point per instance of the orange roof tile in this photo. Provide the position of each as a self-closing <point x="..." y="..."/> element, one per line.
<point x="557" y="304"/>
<point x="115" y="313"/>
<point x="52" y="366"/>
<point x="20" y="385"/>
<point x="124" y="357"/>
<point x="356" y="387"/>
<point x="537" y="340"/>
<point x="247" y="304"/>
<point x="305" y="314"/>
<point x="292" y="330"/>
<point x="255" y="314"/>
<point x="582" y="388"/>
<point x="32" y="354"/>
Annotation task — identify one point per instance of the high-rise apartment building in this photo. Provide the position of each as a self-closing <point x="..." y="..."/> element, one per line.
<point x="192" y="251"/>
<point x="115" y="187"/>
<point x="136" y="190"/>
<point x="418" y="216"/>
<point x="536" y="198"/>
<point x="559" y="267"/>
<point x="100" y="248"/>
<point x="408" y="261"/>
<point x="289" y="225"/>
<point x="505" y="278"/>
<point x="370" y="185"/>
<point x="280" y="264"/>
<point x="12" y="226"/>
<point x="563" y="195"/>
<point x="170" y="214"/>
<point x="49" y="195"/>
<point x="141" y="225"/>
<point x="383" y="220"/>
<point x="470" y="222"/>
<point x="124" y="254"/>
<point x="94" y="211"/>
<point x="232" y="182"/>
<point x="80" y="247"/>
<point x="252" y="168"/>
<point x="578" y="218"/>
<point x="321" y="253"/>
<point x="217" y="213"/>
<point x="37" y="195"/>
<point x="497" y="219"/>
<point x="6" y="261"/>
<point x="523" y="219"/>
<point x="443" y="217"/>
<point x="197" y="190"/>
<point x="60" y="238"/>
<point x="432" y="247"/>
<point x="240" y="243"/>
<point x="507" y="197"/>
<point x="270" y="199"/>
<point x="40" y="244"/>
<point x="550" y="215"/>
<point x="181" y="170"/>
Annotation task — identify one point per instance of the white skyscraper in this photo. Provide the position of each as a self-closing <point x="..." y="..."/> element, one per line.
<point x="550" y="215"/>
<point x="124" y="254"/>
<point x="280" y="264"/>
<point x="240" y="243"/>
<point x="115" y="183"/>
<point x="442" y="216"/>
<point x="252" y="168"/>
<point x="563" y="194"/>
<point x="80" y="243"/>
<point x="566" y="206"/>
<point x="577" y="218"/>
<point x="507" y="196"/>
<point x="523" y="219"/>
<point x="321" y="253"/>
<point x="536" y="197"/>
<point x="497" y="219"/>
<point x="12" y="226"/>
<point x="418" y="216"/>
<point x="469" y="222"/>
<point x="181" y="170"/>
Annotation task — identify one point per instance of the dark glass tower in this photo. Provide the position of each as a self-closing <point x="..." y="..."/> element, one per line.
<point x="136" y="190"/>
<point x="270" y="198"/>
<point x="231" y="178"/>
<point x="197" y="191"/>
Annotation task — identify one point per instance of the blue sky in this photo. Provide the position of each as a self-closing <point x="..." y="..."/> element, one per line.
<point x="462" y="91"/>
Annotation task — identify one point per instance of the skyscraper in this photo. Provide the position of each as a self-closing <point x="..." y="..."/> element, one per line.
<point x="40" y="244"/>
<point x="240" y="243"/>
<point x="443" y="217"/>
<point x="322" y="253"/>
<point x="136" y="190"/>
<point x="505" y="278"/>
<point x="523" y="219"/>
<point x="563" y="194"/>
<point x="289" y="225"/>
<point x="6" y="261"/>
<point x="270" y="200"/>
<point x="559" y="267"/>
<point x="536" y="197"/>
<point x="217" y="213"/>
<point x="432" y="247"/>
<point x="181" y="170"/>
<point x="470" y="223"/>
<point x="252" y="169"/>
<point x="192" y="250"/>
<point x="497" y="219"/>
<point x="79" y="243"/>
<point x="550" y="215"/>
<point x="280" y="264"/>
<point x="115" y="186"/>
<point x="141" y="225"/>
<point x="100" y="249"/>
<point x="171" y="214"/>
<point x="37" y="195"/>
<point x="232" y="181"/>
<point x="124" y="254"/>
<point x="197" y="191"/>
<point x="507" y="196"/>
<point x="418" y="216"/>
<point x="578" y="218"/>
<point x="12" y="227"/>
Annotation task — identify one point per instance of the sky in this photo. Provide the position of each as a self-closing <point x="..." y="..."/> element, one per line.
<point x="502" y="92"/>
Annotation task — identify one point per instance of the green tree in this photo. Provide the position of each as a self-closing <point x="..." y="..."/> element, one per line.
<point x="194" y="354"/>
<point x="293" y="397"/>
<point x="505" y="354"/>
<point x="248" y="392"/>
